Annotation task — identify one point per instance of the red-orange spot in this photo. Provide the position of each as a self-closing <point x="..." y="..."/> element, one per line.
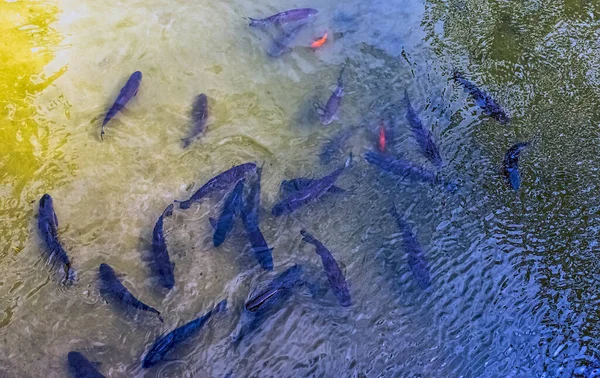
<point x="382" y="138"/>
<point x="319" y="42"/>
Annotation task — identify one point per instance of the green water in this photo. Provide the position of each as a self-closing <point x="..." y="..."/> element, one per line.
<point x="515" y="287"/>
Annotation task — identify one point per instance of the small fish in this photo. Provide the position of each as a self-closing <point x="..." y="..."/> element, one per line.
<point x="293" y="185"/>
<point x="404" y="168"/>
<point x="283" y="43"/>
<point x="382" y="138"/>
<point x="112" y="288"/>
<point x="319" y="42"/>
<point x="329" y="113"/>
<point x="511" y="164"/>
<point x="415" y="256"/>
<point x="199" y="117"/>
<point x="250" y="218"/>
<point x="48" y="225"/>
<point x="222" y="181"/>
<point x="334" y="145"/>
<point x="336" y="278"/>
<point x="165" y="343"/>
<point x="127" y="93"/>
<point x="81" y="367"/>
<point x="423" y="136"/>
<point x="161" y="264"/>
<point x="284" y="17"/>
<point x="308" y="194"/>
<point x="231" y="207"/>
<point x="483" y="100"/>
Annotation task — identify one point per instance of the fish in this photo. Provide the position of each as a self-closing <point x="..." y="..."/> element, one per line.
<point x="283" y="43"/>
<point x="199" y="118"/>
<point x="415" y="255"/>
<point x="222" y="181"/>
<point x="309" y="193"/>
<point x="284" y="17"/>
<point x="161" y="264"/>
<point x="81" y="367"/>
<point x="112" y="288"/>
<point x="486" y="102"/>
<point x="48" y="227"/>
<point x="231" y="207"/>
<point x="382" y="138"/>
<point x="163" y="344"/>
<point x="423" y="136"/>
<point x="329" y="113"/>
<point x="334" y="145"/>
<point x="336" y="278"/>
<point x="510" y="165"/>
<point x="128" y="92"/>
<point x="250" y="219"/>
<point x="319" y="42"/>
<point x="406" y="169"/>
<point x="293" y="185"/>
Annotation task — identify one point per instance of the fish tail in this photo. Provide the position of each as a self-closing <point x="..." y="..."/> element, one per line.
<point x="102" y="133"/>
<point x="254" y="22"/>
<point x="186" y="142"/>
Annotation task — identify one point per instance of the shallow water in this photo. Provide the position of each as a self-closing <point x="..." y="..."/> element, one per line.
<point x="514" y="275"/>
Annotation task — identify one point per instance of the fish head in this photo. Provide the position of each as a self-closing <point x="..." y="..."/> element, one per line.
<point x="76" y="359"/>
<point x="137" y="76"/>
<point x="106" y="272"/>
<point x="46" y="205"/>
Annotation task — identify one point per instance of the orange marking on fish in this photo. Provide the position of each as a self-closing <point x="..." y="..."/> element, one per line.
<point x="382" y="138"/>
<point x="319" y="42"/>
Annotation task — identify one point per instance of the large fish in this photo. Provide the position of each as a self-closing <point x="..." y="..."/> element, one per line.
<point x="289" y="186"/>
<point x="284" y="17"/>
<point x="308" y="194"/>
<point x="160" y="262"/>
<point x="284" y="42"/>
<point x="406" y="169"/>
<point x="336" y="278"/>
<point x="222" y="181"/>
<point x="231" y="207"/>
<point x="328" y="113"/>
<point x="165" y="343"/>
<point x="48" y="224"/>
<point x="250" y="218"/>
<point x="112" y="288"/>
<point x="125" y="95"/>
<point x="510" y="165"/>
<point x="199" y="118"/>
<point x="483" y="100"/>
<point x="81" y="367"/>
<point x="415" y="256"/>
<point x="423" y="136"/>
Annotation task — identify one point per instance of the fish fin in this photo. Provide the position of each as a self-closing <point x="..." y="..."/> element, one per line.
<point x="213" y="222"/>
<point x="55" y="219"/>
<point x="160" y="317"/>
<point x="186" y="142"/>
<point x="168" y="211"/>
<point x="319" y="109"/>
<point x="221" y="306"/>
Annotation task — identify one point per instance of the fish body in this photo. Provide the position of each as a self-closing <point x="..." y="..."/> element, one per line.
<point x="161" y="264"/>
<point x="423" y="136"/>
<point x="199" y="118"/>
<point x="112" y="288"/>
<point x="511" y="164"/>
<point x="329" y="113"/>
<point x="284" y="17"/>
<point x="415" y="256"/>
<point x="334" y="145"/>
<point x="165" y="343"/>
<point x="222" y="181"/>
<point x="231" y="207"/>
<point x="336" y="278"/>
<point x="81" y="367"/>
<point x="125" y="95"/>
<point x="483" y="100"/>
<point x="293" y="185"/>
<point x="250" y="218"/>
<point x="48" y="227"/>
<point x="283" y="43"/>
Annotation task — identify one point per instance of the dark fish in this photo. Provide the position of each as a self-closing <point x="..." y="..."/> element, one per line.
<point x="511" y="164"/>
<point x="293" y="185"/>
<point x="329" y="113"/>
<point x="284" y="17"/>
<point x="161" y="264"/>
<point x="423" y="136"/>
<point x="81" y="367"/>
<point x="404" y="168"/>
<point x="127" y="93"/>
<point x="283" y="43"/>
<point x="415" y="256"/>
<point x="250" y="218"/>
<point x="199" y="117"/>
<point x="483" y="100"/>
<point x="336" y="278"/>
<point x="308" y="194"/>
<point x="112" y="288"/>
<point x="165" y="343"/>
<point x="222" y="181"/>
<point x="335" y="145"/>
<point x="231" y="207"/>
<point x="48" y="224"/>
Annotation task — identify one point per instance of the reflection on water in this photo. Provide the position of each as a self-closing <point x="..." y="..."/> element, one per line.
<point x="513" y="274"/>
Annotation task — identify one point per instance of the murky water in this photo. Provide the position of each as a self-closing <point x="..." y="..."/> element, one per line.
<point x="514" y="275"/>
